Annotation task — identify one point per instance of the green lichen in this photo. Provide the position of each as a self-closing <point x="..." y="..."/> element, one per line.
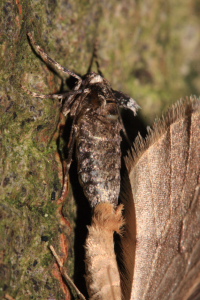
<point x="46" y="260"/>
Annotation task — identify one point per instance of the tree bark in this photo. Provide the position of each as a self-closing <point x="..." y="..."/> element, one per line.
<point x="31" y="168"/>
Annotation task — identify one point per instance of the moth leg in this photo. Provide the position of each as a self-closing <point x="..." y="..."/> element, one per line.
<point x="47" y="59"/>
<point x="70" y="146"/>
<point x="69" y="101"/>
<point x="69" y="95"/>
<point x="68" y="162"/>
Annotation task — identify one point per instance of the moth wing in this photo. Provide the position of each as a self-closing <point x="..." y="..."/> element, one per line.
<point x="162" y="243"/>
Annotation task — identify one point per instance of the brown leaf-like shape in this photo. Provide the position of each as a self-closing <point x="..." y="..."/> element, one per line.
<point x="164" y="177"/>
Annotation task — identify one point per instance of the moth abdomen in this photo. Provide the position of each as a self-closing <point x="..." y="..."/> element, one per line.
<point x="99" y="158"/>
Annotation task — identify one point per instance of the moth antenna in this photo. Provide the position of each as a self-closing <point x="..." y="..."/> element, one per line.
<point x="47" y="59"/>
<point x="64" y="273"/>
<point x="95" y="59"/>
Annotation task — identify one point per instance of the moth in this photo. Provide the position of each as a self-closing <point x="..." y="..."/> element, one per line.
<point x="96" y="131"/>
<point x="161" y="238"/>
<point x="164" y="173"/>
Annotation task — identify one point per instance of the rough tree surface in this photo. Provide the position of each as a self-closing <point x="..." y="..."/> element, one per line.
<point x="142" y="52"/>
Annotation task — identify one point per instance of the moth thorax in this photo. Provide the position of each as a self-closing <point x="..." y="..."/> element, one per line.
<point x="112" y="111"/>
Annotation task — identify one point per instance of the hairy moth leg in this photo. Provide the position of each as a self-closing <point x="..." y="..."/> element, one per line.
<point x="102" y="275"/>
<point x="47" y="59"/>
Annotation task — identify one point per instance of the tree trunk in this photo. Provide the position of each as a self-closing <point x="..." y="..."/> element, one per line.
<point x="31" y="168"/>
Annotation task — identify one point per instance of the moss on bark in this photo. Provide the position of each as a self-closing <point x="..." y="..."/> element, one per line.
<point x="149" y="49"/>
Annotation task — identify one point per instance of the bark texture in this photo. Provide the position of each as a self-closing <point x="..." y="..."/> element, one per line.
<point x="144" y="57"/>
<point x="31" y="171"/>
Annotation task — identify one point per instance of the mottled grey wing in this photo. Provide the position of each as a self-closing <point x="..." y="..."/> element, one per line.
<point x="163" y="259"/>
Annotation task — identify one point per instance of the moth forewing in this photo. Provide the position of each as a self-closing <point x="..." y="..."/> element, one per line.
<point x="164" y="175"/>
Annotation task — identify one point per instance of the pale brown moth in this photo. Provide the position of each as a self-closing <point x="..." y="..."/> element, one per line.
<point x="161" y="240"/>
<point x="164" y="177"/>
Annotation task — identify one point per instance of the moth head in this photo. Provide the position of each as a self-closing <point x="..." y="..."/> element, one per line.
<point x="95" y="78"/>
